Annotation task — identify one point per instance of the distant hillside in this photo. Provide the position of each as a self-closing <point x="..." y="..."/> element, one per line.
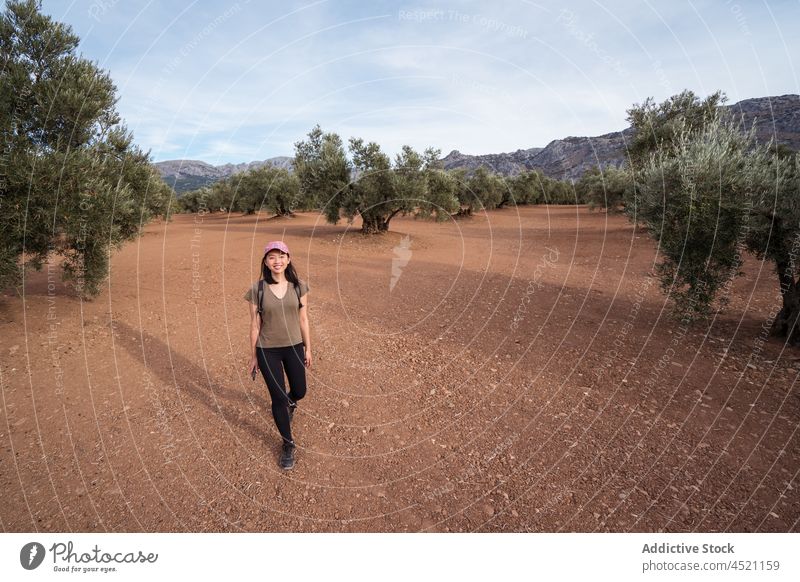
<point x="777" y="117"/>
<point x="506" y="164"/>
<point x="570" y="157"/>
<point x="186" y="175"/>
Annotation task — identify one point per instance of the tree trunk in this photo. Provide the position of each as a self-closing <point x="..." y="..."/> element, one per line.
<point x="374" y="224"/>
<point x="786" y="322"/>
<point x="383" y="223"/>
<point x="283" y="210"/>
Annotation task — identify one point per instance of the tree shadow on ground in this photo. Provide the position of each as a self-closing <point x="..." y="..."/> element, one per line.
<point x="195" y="382"/>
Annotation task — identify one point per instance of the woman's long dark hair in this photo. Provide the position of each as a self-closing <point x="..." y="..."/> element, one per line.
<point x="266" y="274"/>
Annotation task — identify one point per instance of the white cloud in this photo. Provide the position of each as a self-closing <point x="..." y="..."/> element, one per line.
<point x="232" y="80"/>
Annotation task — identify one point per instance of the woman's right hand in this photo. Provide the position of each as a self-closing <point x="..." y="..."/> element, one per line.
<point x="253" y="366"/>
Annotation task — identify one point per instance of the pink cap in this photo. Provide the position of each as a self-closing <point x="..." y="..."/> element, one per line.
<point x="276" y="244"/>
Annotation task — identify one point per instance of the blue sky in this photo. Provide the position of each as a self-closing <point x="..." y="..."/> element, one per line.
<point x="243" y="80"/>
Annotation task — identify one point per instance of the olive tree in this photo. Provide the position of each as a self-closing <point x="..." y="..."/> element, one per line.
<point x="369" y="185"/>
<point x="604" y="188"/>
<point x="774" y="234"/>
<point x="267" y="187"/>
<point x="527" y="187"/>
<point x="708" y="194"/>
<point x="72" y="182"/>
<point x="560" y="192"/>
<point x="439" y="200"/>
<point x="696" y="202"/>
<point x="323" y="171"/>
<point x="205" y="199"/>
<point x="487" y="188"/>
<point x="657" y="125"/>
<point x="374" y="195"/>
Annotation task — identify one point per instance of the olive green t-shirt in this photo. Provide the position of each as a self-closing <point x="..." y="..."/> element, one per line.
<point x="281" y="317"/>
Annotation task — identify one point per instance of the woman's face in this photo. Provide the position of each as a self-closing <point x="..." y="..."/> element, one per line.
<point x="277" y="261"/>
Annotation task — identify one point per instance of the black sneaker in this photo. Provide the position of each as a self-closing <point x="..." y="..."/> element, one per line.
<point x="287" y="455"/>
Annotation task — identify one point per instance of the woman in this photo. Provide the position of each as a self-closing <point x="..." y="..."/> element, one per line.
<point x="279" y="338"/>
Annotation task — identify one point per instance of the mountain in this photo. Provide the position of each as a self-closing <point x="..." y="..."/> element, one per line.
<point x="561" y="158"/>
<point x="777" y="117"/>
<point x="186" y="175"/>
<point x="506" y="164"/>
<point x="279" y="162"/>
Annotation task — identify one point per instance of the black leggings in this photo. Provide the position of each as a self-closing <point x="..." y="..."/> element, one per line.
<point x="272" y="362"/>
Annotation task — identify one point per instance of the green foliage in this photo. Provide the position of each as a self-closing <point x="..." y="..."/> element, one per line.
<point x="439" y="200"/>
<point x="205" y="199"/>
<point x="696" y="198"/>
<point x="267" y="187"/>
<point x="560" y="192"/>
<point x="657" y="126"/>
<point x="223" y="192"/>
<point x="478" y="191"/>
<point x="775" y="235"/>
<point x="414" y="184"/>
<point x="71" y="179"/>
<point x="707" y="192"/>
<point x="374" y="195"/>
<point x="774" y="231"/>
<point x="487" y="189"/>
<point x="322" y="168"/>
<point x="409" y="180"/>
<point x="461" y="190"/>
<point x="184" y="184"/>
<point x="604" y="188"/>
<point x="528" y="187"/>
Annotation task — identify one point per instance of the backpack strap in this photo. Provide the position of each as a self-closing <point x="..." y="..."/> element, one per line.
<point x="260" y="300"/>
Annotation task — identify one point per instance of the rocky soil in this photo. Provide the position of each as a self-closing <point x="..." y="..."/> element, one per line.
<point x="518" y="371"/>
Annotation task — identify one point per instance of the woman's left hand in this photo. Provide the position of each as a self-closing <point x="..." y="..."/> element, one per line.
<point x="308" y="358"/>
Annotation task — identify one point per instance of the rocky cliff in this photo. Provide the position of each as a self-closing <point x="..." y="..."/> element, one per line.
<point x="775" y="117"/>
<point x="506" y="164"/>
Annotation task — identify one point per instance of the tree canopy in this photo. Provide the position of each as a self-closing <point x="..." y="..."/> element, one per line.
<point x="72" y="182"/>
<point x="368" y="184"/>
<point x="708" y="192"/>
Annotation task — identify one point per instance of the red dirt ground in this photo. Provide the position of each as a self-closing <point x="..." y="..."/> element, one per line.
<point x="523" y="374"/>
